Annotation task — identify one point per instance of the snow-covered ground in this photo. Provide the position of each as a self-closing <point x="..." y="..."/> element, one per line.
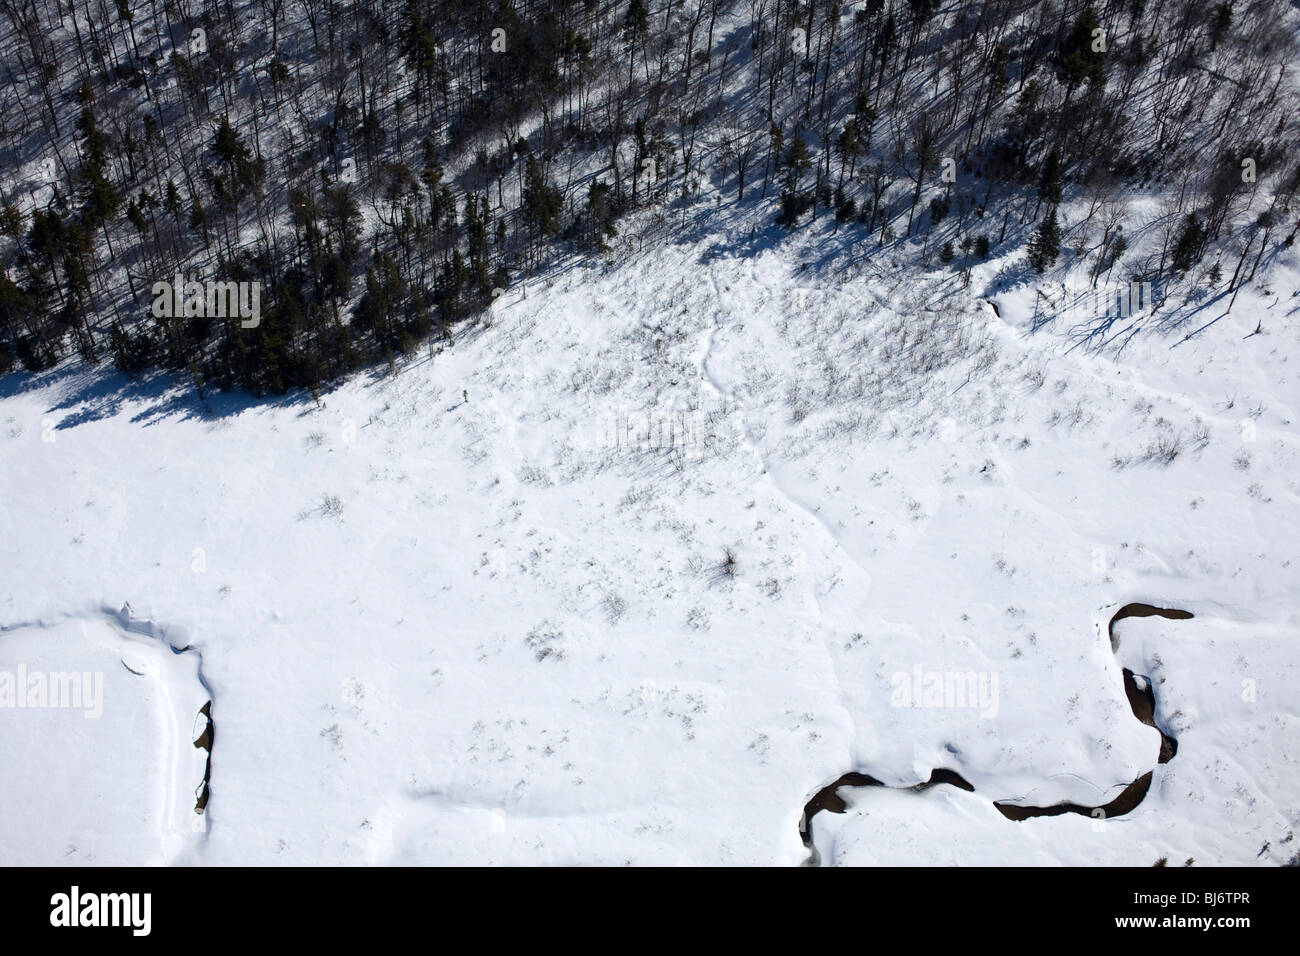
<point x="101" y="764"/>
<point x="454" y="616"/>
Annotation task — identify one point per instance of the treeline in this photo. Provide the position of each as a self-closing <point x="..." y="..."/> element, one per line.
<point x="384" y="168"/>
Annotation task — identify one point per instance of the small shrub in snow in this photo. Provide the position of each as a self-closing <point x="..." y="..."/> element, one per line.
<point x="614" y="607"/>
<point x="698" y="619"/>
<point x="1165" y="449"/>
<point x="729" y="563"/>
<point x="544" y="641"/>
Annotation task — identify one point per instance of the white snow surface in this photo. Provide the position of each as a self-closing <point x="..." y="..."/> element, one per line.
<point x="113" y="780"/>
<point x="448" y="631"/>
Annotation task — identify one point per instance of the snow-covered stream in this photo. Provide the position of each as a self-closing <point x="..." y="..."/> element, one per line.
<point x="102" y="729"/>
<point x="1141" y="699"/>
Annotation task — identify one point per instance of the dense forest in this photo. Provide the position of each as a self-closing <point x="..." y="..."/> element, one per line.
<point x="381" y="169"/>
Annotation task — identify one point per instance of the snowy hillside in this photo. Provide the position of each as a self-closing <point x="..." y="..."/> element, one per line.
<point x="633" y="572"/>
<point x="692" y="432"/>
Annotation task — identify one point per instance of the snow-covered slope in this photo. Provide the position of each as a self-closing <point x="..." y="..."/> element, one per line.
<point x="461" y="615"/>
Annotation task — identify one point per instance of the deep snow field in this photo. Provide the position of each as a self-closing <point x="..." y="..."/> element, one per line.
<point x="452" y="616"/>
